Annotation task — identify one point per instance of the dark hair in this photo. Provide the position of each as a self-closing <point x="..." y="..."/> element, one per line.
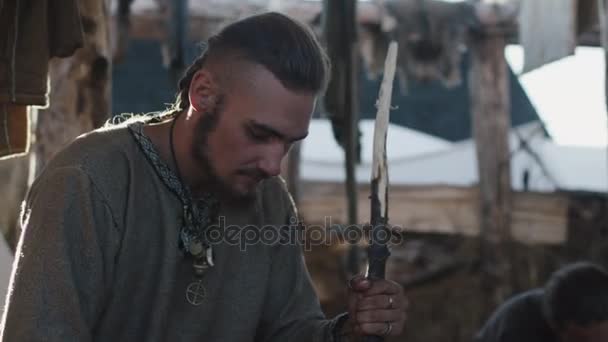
<point x="577" y="293"/>
<point x="288" y="49"/>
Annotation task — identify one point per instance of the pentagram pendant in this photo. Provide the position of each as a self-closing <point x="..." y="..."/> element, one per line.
<point x="196" y="293"/>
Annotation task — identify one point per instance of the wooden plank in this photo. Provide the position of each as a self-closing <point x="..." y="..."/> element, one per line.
<point x="152" y="26"/>
<point x="536" y="218"/>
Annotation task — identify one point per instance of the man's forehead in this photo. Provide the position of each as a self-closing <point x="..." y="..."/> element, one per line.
<point x="284" y="133"/>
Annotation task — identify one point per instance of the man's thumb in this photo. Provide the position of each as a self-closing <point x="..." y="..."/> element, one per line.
<point x="359" y="283"/>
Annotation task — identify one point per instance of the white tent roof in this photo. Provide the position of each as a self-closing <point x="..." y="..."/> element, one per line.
<point x="419" y="159"/>
<point x="568" y="95"/>
<point x="570" y="100"/>
<point x="321" y="147"/>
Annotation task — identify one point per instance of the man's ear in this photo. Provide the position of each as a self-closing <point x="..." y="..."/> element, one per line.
<point x="203" y="91"/>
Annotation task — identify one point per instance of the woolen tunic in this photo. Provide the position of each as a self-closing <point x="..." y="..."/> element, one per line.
<point x="99" y="259"/>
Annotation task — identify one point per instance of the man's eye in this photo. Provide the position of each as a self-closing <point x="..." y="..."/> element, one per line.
<point x="258" y="136"/>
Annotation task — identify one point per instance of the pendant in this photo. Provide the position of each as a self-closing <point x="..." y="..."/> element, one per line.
<point x="199" y="267"/>
<point x="196" y="293"/>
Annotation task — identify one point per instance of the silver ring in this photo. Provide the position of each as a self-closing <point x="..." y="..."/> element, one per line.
<point x="390" y="302"/>
<point x="389" y="328"/>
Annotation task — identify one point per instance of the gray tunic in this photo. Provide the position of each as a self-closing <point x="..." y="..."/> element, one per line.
<point x="98" y="260"/>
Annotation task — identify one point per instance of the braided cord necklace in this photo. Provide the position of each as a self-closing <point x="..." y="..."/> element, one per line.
<point x="197" y="215"/>
<point x="193" y="231"/>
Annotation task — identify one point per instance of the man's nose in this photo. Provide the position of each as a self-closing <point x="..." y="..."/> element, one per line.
<point x="270" y="163"/>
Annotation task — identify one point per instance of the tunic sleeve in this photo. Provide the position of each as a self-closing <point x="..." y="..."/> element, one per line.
<point x="64" y="261"/>
<point x="292" y="310"/>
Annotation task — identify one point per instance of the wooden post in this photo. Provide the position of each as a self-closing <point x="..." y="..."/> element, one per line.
<point x="603" y="19"/>
<point x="603" y="14"/>
<point x="176" y="44"/>
<point x="490" y="105"/>
<point x="80" y="92"/>
<point x="341" y="100"/>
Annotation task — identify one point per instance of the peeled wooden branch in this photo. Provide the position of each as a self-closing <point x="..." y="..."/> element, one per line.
<point x="378" y="251"/>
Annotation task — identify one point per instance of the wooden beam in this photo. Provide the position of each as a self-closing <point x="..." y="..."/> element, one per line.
<point x="537" y="219"/>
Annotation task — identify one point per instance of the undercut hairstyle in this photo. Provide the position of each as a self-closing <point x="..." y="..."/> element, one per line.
<point x="577" y="293"/>
<point x="285" y="47"/>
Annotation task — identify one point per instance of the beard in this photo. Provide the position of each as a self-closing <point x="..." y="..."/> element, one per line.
<point x="213" y="182"/>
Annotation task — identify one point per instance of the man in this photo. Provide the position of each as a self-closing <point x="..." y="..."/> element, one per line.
<point x="117" y="245"/>
<point x="572" y="307"/>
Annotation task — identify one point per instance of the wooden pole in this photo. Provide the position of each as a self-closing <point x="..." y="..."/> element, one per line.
<point x="80" y="92"/>
<point x="603" y="19"/>
<point x="178" y="28"/>
<point x="341" y="100"/>
<point x="490" y="105"/>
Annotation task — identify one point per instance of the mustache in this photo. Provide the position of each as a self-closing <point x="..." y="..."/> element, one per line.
<point x="254" y="173"/>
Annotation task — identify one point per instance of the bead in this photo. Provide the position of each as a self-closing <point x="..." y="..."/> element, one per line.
<point x="196" y="248"/>
<point x="199" y="266"/>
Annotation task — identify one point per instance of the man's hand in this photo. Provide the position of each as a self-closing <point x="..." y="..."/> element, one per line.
<point x="376" y="308"/>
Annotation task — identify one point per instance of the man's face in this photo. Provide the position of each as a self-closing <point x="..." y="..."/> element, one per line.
<point x="257" y="121"/>
<point x="595" y="332"/>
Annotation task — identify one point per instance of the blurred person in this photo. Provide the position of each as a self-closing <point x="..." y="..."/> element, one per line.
<point x="571" y="307"/>
<point x="115" y="244"/>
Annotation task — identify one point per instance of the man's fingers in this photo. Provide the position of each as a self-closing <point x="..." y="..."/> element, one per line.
<point x="381" y="302"/>
<point x="379" y="316"/>
<point x="359" y="283"/>
<point x="378" y="329"/>
<point x="352" y="302"/>
<point x="383" y="286"/>
<point x="372" y="310"/>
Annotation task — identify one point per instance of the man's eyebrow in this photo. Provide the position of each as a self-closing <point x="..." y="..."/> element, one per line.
<point x="274" y="132"/>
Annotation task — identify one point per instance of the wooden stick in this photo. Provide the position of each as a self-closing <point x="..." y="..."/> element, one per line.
<point x="378" y="251"/>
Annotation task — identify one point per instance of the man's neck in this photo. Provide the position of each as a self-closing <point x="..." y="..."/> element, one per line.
<point x="177" y="157"/>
